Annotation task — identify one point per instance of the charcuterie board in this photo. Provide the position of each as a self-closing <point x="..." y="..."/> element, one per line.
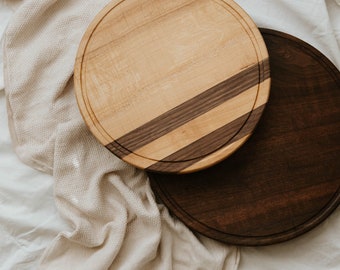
<point x="285" y="179"/>
<point x="172" y="86"/>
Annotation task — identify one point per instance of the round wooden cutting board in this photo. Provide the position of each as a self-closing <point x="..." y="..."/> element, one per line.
<point x="172" y="86"/>
<point x="285" y="179"/>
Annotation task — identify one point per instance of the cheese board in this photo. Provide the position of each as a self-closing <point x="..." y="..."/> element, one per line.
<point x="172" y="86"/>
<point x="285" y="180"/>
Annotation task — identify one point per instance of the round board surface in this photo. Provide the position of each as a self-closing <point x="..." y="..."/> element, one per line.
<point x="285" y="179"/>
<point x="172" y="86"/>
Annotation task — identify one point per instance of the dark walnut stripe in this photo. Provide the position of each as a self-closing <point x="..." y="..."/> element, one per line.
<point x="210" y="141"/>
<point x="190" y="109"/>
<point x="117" y="149"/>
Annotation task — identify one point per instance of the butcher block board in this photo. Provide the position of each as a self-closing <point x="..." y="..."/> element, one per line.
<point x="285" y="179"/>
<point x="172" y="86"/>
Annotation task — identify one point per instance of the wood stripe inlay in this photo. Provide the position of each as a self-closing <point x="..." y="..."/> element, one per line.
<point x="212" y="141"/>
<point x="190" y="109"/>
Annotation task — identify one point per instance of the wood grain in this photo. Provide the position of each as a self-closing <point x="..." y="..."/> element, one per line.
<point x="285" y="179"/>
<point x="151" y="75"/>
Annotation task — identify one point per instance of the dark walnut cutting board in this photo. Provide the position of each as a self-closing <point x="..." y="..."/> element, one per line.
<point x="172" y="86"/>
<point x="285" y="179"/>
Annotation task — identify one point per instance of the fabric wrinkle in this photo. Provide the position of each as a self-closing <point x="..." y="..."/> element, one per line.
<point x="111" y="218"/>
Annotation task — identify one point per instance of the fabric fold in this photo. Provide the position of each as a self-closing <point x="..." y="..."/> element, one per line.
<point x="114" y="219"/>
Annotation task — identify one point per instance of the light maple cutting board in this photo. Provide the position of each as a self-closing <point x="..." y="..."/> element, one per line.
<point x="172" y="86"/>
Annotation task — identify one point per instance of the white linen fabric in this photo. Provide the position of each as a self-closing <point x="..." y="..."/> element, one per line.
<point x="110" y="218"/>
<point x="28" y="217"/>
<point x="115" y="221"/>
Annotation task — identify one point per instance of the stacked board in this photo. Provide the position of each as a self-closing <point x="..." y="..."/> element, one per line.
<point x="172" y="86"/>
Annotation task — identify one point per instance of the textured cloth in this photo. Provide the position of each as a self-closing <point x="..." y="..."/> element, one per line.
<point x="113" y="220"/>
